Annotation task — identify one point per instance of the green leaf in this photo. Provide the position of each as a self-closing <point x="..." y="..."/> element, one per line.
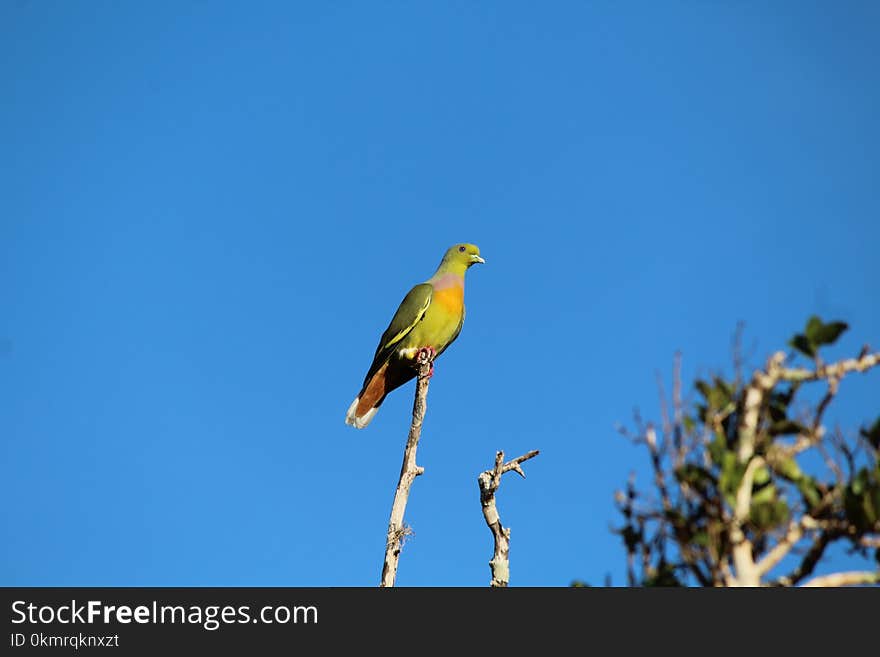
<point x="787" y="468"/>
<point x="860" y="482"/>
<point x="779" y="401"/>
<point x="814" y="327"/>
<point x="871" y="506"/>
<point x="828" y="333"/>
<point x="816" y="334"/>
<point x="769" y="514"/>
<point x="723" y="390"/>
<point x="810" y="491"/>
<point x="786" y="427"/>
<point x="689" y="423"/>
<point x="802" y="344"/>
<point x="764" y="495"/>
<point x="718" y="448"/>
<point x="862" y="501"/>
<point x="731" y="474"/>
<point x="762" y="476"/>
<point x="695" y="475"/>
<point x="718" y="395"/>
<point x="872" y="434"/>
<point x="704" y="388"/>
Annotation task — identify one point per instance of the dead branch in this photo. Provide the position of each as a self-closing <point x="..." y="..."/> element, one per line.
<point x="489" y="482"/>
<point x="408" y="472"/>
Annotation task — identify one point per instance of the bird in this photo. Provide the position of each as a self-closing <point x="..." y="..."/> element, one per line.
<point x="428" y="319"/>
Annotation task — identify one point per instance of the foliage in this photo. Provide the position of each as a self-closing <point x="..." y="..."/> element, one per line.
<point x="739" y="491"/>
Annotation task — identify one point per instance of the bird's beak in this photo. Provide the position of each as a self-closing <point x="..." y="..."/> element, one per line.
<point x="475" y="259"/>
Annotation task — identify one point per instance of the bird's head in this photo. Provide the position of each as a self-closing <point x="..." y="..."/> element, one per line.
<point x="461" y="256"/>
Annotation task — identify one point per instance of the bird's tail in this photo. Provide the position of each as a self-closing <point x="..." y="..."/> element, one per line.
<point x="359" y="421"/>
<point x="365" y="405"/>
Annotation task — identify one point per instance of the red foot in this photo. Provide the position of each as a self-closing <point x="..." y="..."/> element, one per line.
<point x="426" y="355"/>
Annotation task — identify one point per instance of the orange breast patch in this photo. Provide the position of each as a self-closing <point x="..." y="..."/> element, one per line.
<point x="450" y="298"/>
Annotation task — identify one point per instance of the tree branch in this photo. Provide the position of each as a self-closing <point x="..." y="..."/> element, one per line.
<point x="792" y="536"/>
<point x="762" y="382"/>
<point x="808" y="563"/>
<point x="852" y="578"/>
<point x="489" y="482"/>
<point x="408" y="472"/>
<point x="743" y="559"/>
<point x="832" y="370"/>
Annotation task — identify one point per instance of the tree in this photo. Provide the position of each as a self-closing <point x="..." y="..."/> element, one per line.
<point x="751" y="491"/>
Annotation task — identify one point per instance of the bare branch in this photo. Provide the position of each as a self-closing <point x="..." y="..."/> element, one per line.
<point x="808" y="563"/>
<point x="513" y="464"/>
<point x="738" y="357"/>
<point x="408" y="473"/>
<point x="852" y="578"/>
<point x="762" y="382"/>
<point x="832" y="370"/>
<point x="489" y="482"/>
<point x="678" y="412"/>
<point x="743" y="559"/>
<point x="664" y="406"/>
<point x="794" y="534"/>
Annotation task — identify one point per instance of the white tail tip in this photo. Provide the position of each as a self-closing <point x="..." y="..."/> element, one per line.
<point x="354" y="420"/>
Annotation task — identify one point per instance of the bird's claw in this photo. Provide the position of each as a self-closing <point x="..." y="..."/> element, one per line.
<point x="426" y="355"/>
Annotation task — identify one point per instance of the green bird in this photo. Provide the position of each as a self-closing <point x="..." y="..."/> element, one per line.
<point x="429" y="318"/>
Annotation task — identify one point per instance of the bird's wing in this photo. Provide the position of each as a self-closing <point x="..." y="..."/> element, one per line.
<point x="411" y="312"/>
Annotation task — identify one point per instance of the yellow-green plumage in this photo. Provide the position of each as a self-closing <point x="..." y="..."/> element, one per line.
<point x="430" y="316"/>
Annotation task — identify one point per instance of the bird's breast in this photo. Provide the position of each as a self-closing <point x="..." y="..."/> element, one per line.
<point x="450" y="299"/>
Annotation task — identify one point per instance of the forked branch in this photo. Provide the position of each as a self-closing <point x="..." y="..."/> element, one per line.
<point x="489" y="482"/>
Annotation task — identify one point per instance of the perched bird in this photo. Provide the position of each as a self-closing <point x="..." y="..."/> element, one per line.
<point x="429" y="318"/>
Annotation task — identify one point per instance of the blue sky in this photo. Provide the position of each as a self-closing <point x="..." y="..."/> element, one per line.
<point x="210" y="211"/>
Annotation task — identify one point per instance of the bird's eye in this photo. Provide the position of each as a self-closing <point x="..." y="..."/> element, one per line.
<point x="461" y="249"/>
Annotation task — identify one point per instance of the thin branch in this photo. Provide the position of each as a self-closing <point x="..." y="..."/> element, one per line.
<point x="666" y="423"/>
<point x="763" y="381"/>
<point x="794" y="534"/>
<point x="832" y="370"/>
<point x="738" y="358"/>
<point x="489" y="482"/>
<point x="408" y="472"/>
<point x="852" y="578"/>
<point x="833" y="384"/>
<point x="660" y="482"/>
<point x="677" y="412"/>
<point x="808" y="563"/>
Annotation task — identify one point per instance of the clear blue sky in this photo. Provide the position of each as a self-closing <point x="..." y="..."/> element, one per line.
<point x="209" y="212"/>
